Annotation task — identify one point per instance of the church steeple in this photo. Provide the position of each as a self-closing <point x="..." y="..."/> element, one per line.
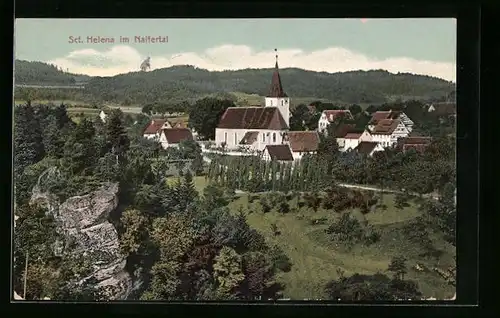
<point x="276" y="89"/>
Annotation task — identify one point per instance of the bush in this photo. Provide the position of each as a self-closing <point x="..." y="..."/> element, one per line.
<point x="350" y="231"/>
<point x="279" y="259"/>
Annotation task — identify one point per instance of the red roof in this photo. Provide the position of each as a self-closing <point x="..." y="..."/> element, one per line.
<point x="331" y="115"/>
<point x="176" y="135"/>
<point x="303" y="141"/>
<point x="280" y="152"/>
<point x="385" y="127"/>
<point x="343" y="129"/>
<point x="386" y="114"/>
<point x="154" y="126"/>
<point x="276" y="89"/>
<point x="252" y="118"/>
<point x="366" y="147"/>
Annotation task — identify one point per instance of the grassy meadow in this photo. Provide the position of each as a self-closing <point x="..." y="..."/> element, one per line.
<point x="316" y="259"/>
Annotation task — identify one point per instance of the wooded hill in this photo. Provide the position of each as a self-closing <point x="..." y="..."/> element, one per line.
<point x="180" y="83"/>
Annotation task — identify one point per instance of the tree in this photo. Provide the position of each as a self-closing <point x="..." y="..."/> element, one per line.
<point x="53" y="140"/>
<point x="300" y="116"/>
<point x="377" y="287"/>
<point x="134" y="228"/>
<point x="355" y="109"/>
<point x="228" y="271"/>
<point x="398" y="267"/>
<point x="28" y="148"/>
<point x="116" y="137"/>
<point x="204" y="116"/>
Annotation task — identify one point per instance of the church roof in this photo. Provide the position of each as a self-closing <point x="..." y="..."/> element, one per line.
<point x="276" y="89"/>
<point x="252" y="118"/>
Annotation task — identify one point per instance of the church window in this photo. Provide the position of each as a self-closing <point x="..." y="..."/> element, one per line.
<point x="263" y="137"/>
<point x="274" y="137"/>
<point x="225" y="137"/>
<point x="282" y="103"/>
<point x="235" y="138"/>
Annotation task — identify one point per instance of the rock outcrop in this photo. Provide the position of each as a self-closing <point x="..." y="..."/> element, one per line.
<point x="83" y="222"/>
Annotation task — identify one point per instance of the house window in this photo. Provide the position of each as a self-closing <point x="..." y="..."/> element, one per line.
<point x="225" y="137"/>
<point x="274" y="137"/>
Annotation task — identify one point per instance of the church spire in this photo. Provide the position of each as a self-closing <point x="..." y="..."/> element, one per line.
<point x="276" y="89"/>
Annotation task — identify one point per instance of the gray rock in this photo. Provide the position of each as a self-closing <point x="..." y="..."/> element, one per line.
<point x="83" y="221"/>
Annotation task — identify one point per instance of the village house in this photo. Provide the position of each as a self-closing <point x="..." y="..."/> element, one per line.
<point x="388" y="131"/>
<point x="302" y="142"/>
<point x="417" y="143"/>
<point x="254" y="128"/>
<point x="280" y="153"/>
<point x="171" y="137"/>
<point x="353" y="139"/>
<point x="329" y="116"/>
<point x="341" y="131"/>
<point x="368" y="148"/>
<point x="390" y="114"/>
<point x="154" y="128"/>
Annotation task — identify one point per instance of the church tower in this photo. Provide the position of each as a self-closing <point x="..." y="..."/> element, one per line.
<point x="277" y="97"/>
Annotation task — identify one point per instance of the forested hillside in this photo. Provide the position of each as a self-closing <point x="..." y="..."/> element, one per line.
<point x="180" y="83"/>
<point x="42" y="73"/>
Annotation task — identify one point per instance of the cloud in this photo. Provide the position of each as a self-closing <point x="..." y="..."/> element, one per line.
<point x="123" y="59"/>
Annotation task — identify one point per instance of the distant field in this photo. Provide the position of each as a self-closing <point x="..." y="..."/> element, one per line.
<point x="55" y="102"/>
<point x="316" y="259"/>
<point x="243" y="99"/>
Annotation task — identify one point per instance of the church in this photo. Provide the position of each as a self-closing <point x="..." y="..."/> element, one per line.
<point x="253" y="128"/>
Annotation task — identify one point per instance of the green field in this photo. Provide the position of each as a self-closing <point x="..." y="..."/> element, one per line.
<point x="316" y="259"/>
<point x="243" y="99"/>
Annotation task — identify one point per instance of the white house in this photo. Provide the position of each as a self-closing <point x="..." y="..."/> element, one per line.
<point x="171" y="137"/>
<point x="302" y="142"/>
<point x="256" y="127"/>
<point x="329" y="116"/>
<point x="153" y="130"/>
<point x="352" y="139"/>
<point x="388" y="131"/>
<point x="390" y="114"/>
<point x="368" y="148"/>
<point x="103" y="116"/>
<point x="277" y="153"/>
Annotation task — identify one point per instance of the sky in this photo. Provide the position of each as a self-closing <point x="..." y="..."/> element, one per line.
<point x="420" y="46"/>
